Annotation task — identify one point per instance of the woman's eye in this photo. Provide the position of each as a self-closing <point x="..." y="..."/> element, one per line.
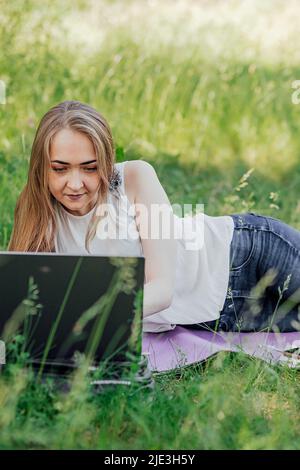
<point x="91" y="169"/>
<point x="59" y="170"/>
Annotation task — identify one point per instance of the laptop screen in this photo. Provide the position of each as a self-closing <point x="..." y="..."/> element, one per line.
<point x="67" y="307"/>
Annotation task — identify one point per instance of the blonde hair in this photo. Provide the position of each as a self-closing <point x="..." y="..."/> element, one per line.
<point x="34" y="217"/>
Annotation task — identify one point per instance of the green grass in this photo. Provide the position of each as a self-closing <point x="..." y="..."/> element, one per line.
<point x="204" y="98"/>
<point x="234" y="402"/>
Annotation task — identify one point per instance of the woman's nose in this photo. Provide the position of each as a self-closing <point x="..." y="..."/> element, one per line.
<point x="75" y="181"/>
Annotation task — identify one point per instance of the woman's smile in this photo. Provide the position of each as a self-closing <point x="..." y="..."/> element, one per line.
<point x="75" y="197"/>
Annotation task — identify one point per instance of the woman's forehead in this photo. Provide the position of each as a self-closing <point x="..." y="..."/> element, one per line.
<point x="72" y="147"/>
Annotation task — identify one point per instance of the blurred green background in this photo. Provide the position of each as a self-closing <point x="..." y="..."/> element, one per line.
<point x="201" y="89"/>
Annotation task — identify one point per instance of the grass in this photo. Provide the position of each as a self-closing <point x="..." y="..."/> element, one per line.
<point x="235" y="402"/>
<point x="203" y="92"/>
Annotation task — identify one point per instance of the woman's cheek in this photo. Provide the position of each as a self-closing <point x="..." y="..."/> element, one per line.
<point x="56" y="184"/>
<point x="95" y="182"/>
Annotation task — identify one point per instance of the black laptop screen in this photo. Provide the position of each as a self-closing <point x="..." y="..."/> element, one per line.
<point x="69" y="305"/>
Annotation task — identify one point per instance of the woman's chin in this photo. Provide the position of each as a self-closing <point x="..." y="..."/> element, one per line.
<point x="76" y="208"/>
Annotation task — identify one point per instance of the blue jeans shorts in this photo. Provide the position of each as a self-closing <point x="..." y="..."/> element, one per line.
<point x="264" y="280"/>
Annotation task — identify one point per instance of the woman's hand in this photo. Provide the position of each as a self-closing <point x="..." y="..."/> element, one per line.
<point x="157" y="296"/>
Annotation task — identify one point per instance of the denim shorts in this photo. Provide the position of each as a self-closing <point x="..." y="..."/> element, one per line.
<point x="264" y="279"/>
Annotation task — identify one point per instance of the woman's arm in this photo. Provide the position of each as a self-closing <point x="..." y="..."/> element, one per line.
<point x="160" y="254"/>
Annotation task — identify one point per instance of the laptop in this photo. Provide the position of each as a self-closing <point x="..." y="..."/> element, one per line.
<point x="63" y="309"/>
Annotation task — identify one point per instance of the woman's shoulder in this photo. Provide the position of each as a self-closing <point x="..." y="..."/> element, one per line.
<point x="135" y="167"/>
<point x="133" y="171"/>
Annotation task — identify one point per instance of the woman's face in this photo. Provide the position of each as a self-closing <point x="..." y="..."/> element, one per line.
<point x="73" y="171"/>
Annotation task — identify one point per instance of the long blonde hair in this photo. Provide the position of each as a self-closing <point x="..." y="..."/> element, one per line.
<point x="34" y="217"/>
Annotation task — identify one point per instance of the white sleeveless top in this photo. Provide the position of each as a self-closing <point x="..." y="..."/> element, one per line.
<point x="201" y="277"/>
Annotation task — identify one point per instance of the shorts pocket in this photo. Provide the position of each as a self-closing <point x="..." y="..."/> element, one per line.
<point x="242" y="248"/>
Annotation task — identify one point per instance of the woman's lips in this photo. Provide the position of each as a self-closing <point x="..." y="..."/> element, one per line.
<point x="75" y="198"/>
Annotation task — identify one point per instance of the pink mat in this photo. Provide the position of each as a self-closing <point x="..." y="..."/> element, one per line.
<point x="181" y="347"/>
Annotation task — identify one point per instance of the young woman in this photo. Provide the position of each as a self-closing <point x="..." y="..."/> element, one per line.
<point x="245" y="275"/>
